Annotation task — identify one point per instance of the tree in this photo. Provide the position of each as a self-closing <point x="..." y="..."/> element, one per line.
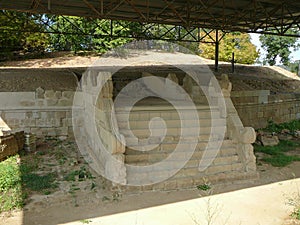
<point x="17" y="34"/>
<point x="239" y="43"/>
<point x="83" y="34"/>
<point x="278" y="46"/>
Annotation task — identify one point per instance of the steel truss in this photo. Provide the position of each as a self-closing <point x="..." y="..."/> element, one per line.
<point x="251" y="16"/>
<point x="142" y="31"/>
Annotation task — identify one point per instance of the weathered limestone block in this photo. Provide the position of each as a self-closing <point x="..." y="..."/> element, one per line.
<point x="57" y="94"/>
<point x="225" y="85"/>
<point x="115" y="169"/>
<point x="104" y="104"/>
<point x="68" y="94"/>
<point x="61" y="131"/>
<point x="107" y="90"/>
<point x="248" y="135"/>
<point x="65" y="102"/>
<point x="14" y="115"/>
<point x="249" y="159"/>
<point x="27" y="103"/>
<point x="60" y="114"/>
<point x="51" y="102"/>
<point x="67" y="122"/>
<point x="188" y="84"/>
<point x="49" y="94"/>
<point x="172" y="77"/>
<point x="117" y="145"/>
<point x="28" y="115"/>
<point x="40" y="103"/>
<point x="39" y="93"/>
<point x="29" y="122"/>
<point x="268" y="140"/>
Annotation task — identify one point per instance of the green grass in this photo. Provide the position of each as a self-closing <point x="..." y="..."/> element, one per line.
<point x="17" y="180"/>
<point x="276" y="155"/>
<point x="37" y="182"/>
<point x="11" y="196"/>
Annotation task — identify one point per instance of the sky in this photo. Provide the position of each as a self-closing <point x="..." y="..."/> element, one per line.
<point x="255" y="40"/>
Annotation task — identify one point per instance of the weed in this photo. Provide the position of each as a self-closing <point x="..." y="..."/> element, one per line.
<point x="40" y="153"/>
<point x="116" y="196"/>
<point x="85" y="221"/>
<point x="47" y="192"/>
<point x="296" y="214"/>
<point x="291" y="126"/>
<point x="204" y="187"/>
<point x="93" y="185"/>
<point x="80" y="175"/>
<point x="105" y="198"/>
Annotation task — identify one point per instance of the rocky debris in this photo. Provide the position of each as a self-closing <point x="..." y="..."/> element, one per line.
<point x="285" y="137"/>
<point x="267" y="139"/>
<point x="297" y="133"/>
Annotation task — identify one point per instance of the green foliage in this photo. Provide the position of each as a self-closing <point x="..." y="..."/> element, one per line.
<point x="277" y="154"/>
<point x="279" y="46"/>
<point x="66" y="40"/>
<point x="9" y="174"/>
<point x="17" y="35"/>
<point x="11" y="196"/>
<point x="239" y="43"/>
<point x="16" y="180"/>
<point x="296" y="214"/>
<point x="80" y="175"/>
<point x="85" y="221"/>
<point x="277" y="128"/>
<point x="204" y="187"/>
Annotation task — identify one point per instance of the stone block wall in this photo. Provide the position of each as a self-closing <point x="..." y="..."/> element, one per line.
<point x="256" y="108"/>
<point x="43" y="112"/>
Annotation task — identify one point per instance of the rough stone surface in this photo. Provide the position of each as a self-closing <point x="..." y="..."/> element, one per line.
<point x="44" y="117"/>
<point x="248" y="135"/>
<point x="39" y="92"/>
<point x="268" y="140"/>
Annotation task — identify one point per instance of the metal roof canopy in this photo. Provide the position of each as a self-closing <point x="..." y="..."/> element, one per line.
<point x="252" y="16"/>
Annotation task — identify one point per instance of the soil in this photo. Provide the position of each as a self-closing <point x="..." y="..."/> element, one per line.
<point x="62" y="72"/>
<point x="77" y="200"/>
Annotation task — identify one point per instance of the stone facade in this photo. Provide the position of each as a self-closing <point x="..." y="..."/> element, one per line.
<point x="49" y="113"/>
<point x="256" y="108"/>
<point x="43" y="112"/>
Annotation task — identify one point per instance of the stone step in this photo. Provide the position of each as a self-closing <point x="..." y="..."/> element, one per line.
<point x="188" y="132"/>
<point x="160" y="153"/>
<point x="143" y="141"/>
<point x="187" y="174"/>
<point x="166" y="115"/>
<point x="144" y="124"/>
<point x="170" y="147"/>
<point x="148" y="159"/>
<point x="161" y="106"/>
<point x="192" y="182"/>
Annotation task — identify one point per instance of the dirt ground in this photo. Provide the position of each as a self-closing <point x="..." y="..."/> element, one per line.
<point x="65" y="206"/>
<point x="61" y="72"/>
